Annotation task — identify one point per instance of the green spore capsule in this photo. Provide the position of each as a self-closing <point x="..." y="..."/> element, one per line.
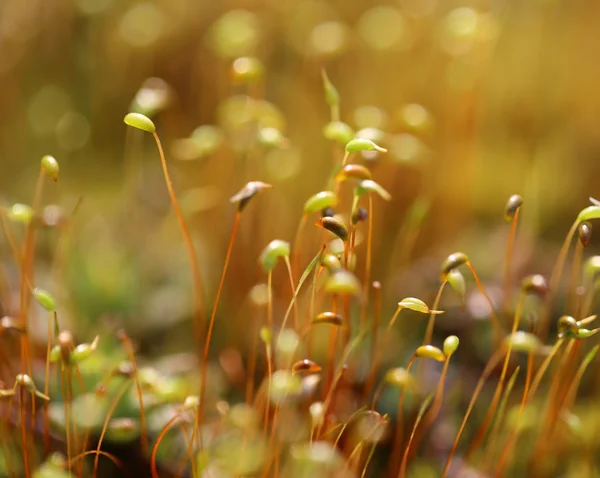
<point x="370" y="186"/>
<point x="270" y="254"/>
<point x="330" y="318"/>
<point x="139" y="121"/>
<point x="50" y="167"/>
<point x="45" y="299"/>
<point x="431" y="352"/>
<point x="360" y="144"/>
<point x="342" y="282"/>
<point x="353" y="171"/>
<point x="21" y="213"/>
<point x="523" y="342"/>
<point x="453" y="261"/>
<point x="450" y="345"/>
<point x="417" y="305"/>
<point x="512" y="206"/>
<point x="331" y="263"/>
<point x="589" y="213"/>
<point x="321" y="200"/>
<point x="331" y="93"/>
<point x="244" y="195"/>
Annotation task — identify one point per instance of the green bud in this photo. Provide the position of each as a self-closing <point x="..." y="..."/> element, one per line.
<point x="399" y="377"/>
<point x="266" y="335"/>
<point x="250" y="190"/>
<point x="429" y="351"/>
<point x="338" y="131"/>
<point x="191" y="402"/>
<point x="589" y="213"/>
<point x="523" y="342"/>
<point x="83" y="351"/>
<point x="370" y="186"/>
<point x="271" y="138"/>
<point x="585" y="333"/>
<point x="335" y="226"/>
<point x="450" y="345"/>
<point x="359" y="144"/>
<point x="331" y="263"/>
<point x="512" y="205"/>
<point x="45" y="299"/>
<point x="139" y="121"/>
<point x="458" y="284"/>
<point x="342" y="282"/>
<point x="319" y="201"/>
<point x="417" y="305"/>
<point x="274" y="250"/>
<point x="55" y="354"/>
<point x="20" y="213"/>
<point x="26" y="382"/>
<point x="247" y="70"/>
<point x="331" y="94"/>
<point x="50" y="167"/>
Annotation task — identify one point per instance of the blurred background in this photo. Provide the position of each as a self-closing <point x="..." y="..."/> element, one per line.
<point x="474" y="100"/>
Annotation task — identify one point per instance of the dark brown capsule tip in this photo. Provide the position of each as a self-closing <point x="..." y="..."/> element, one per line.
<point x="453" y="261"/>
<point x="329" y="318"/>
<point x="585" y="233"/>
<point x="512" y="206"/>
<point x="535" y="284"/>
<point x="359" y="215"/>
<point x="305" y="366"/>
<point x="250" y="190"/>
<point x="327" y="212"/>
<point x="335" y="226"/>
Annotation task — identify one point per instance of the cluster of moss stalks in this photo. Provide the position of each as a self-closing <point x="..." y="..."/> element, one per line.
<point x="315" y="412"/>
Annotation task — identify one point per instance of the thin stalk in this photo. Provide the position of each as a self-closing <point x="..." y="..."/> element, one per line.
<point x="483" y="428"/>
<point x="554" y="282"/>
<point x="291" y="277"/>
<point x="47" y="383"/>
<point x="24" y="431"/>
<point x="398" y="435"/>
<point x="188" y="452"/>
<point x="508" y="263"/>
<point x="572" y="299"/>
<point x="66" y="404"/>
<point x="426" y="402"/>
<point x="196" y="274"/>
<point x="130" y="353"/>
<point x="431" y="321"/>
<point x="498" y="332"/>
<point x="268" y="350"/>
<point x="367" y="279"/>
<point x="213" y="315"/>
<point x="162" y="434"/>
<point x="296" y="245"/>
<point x="491" y="365"/>
<point x="111" y="409"/>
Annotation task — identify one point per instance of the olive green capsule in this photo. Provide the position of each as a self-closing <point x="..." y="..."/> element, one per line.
<point x="417" y="305"/>
<point x="585" y="333"/>
<point x="50" y="167"/>
<point x="567" y="325"/>
<point x="342" y="282"/>
<point x="266" y="335"/>
<point x="191" y="402"/>
<point x="250" y="190"/>
<point x="45" y="299"/>
<point x="307" y="366"/>
<point x="585" y="233"/>
<point x="139" y="121"/>
<point x="450" y="345"/>
<point x="453" y="261"/>
<point x="320" y="201"/>
<point x="26" y="382"/>
<point x="338" y="131"/>
<point x="589" y="213"/>
<point x="83" y="351"/>
<point x="55" y="354"/>
<point x="20" y="213"/>
<point x="429" y="351"/>
<point x="247" y="70"/>
<point x="331" y="93"/>
<point x="523" y="342"/>
<point x="360" y="214"/>
<point x="370" y="186"/>
<point x="360" y="144"/>
<point x="399" y="377"/>
<point x="535" y="284"/>
<point x="353" y="171"/>
<point x="122" y="430"/>
<point x="270" y="254"/>
<point x="335" y="226"/>
<point x="271" y="138"/>
<point x="331" y="263"/>
<point x="458" y="284"/>
<point x="512" y="205"/>
<point x="329" y="318"/>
